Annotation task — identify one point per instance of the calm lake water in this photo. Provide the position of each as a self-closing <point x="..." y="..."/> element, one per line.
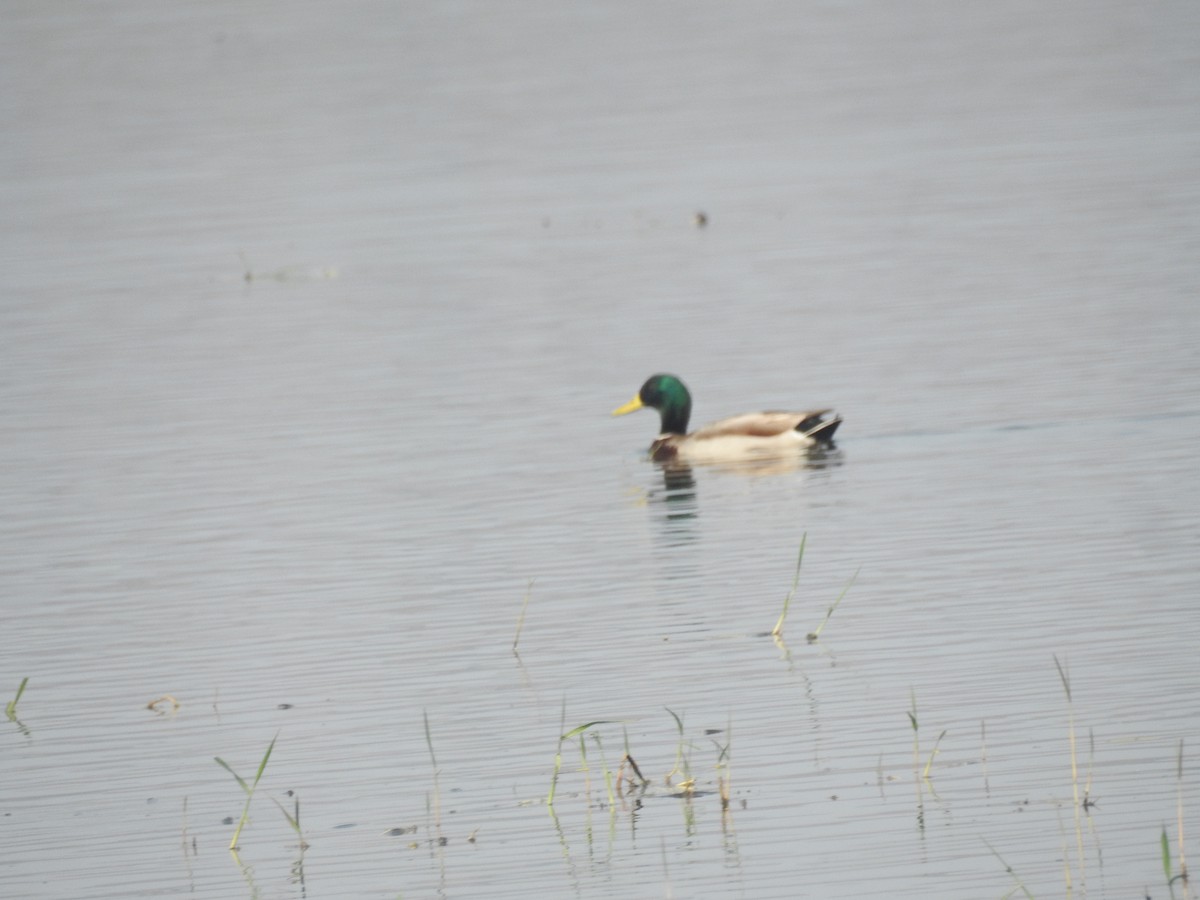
<point x="313" y="317"/>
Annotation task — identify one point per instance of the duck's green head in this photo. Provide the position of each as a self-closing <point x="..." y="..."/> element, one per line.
<point x="667" y="394"/>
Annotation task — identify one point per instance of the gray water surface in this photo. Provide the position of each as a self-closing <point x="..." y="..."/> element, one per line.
<point x="312" y="319"/>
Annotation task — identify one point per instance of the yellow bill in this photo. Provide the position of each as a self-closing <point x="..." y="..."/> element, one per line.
<point x="631" y="406"/>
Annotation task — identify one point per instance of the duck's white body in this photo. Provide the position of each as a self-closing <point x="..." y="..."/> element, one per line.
<point x="761" y="435"/>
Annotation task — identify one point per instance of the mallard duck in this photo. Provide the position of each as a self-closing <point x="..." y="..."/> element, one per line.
<point x="746" y="436"/>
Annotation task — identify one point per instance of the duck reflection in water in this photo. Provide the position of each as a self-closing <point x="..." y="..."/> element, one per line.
<point x="679" y="492"/>
<point x="679" y="480"/>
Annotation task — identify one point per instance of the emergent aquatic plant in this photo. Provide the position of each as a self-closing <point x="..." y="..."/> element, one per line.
<point x="777" y="631"/>
<point x="11" y="709"/>
<point x="248" y="789"/>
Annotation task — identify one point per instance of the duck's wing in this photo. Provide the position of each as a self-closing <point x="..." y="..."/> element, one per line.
<point x="765" y="424"/>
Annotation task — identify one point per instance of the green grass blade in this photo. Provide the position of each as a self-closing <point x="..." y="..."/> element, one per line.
<point x="582" y="728"/>
<point x="1064" y="676"/>
<point x="294" y="822"/>
<point x="247" y="788"/>
<point x="429" y="739"/>
<point x="787" y="601"/>
<point x="678" y="721"/>
<point x="1166" y="854"/>
<point x="11" y="709"/>
<point x="521" y="617"/>
<point x="932" y="754"/>
<point x="266" y="758"/>
<point x="240" y="780"/>
<point x="829" y="613"/>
